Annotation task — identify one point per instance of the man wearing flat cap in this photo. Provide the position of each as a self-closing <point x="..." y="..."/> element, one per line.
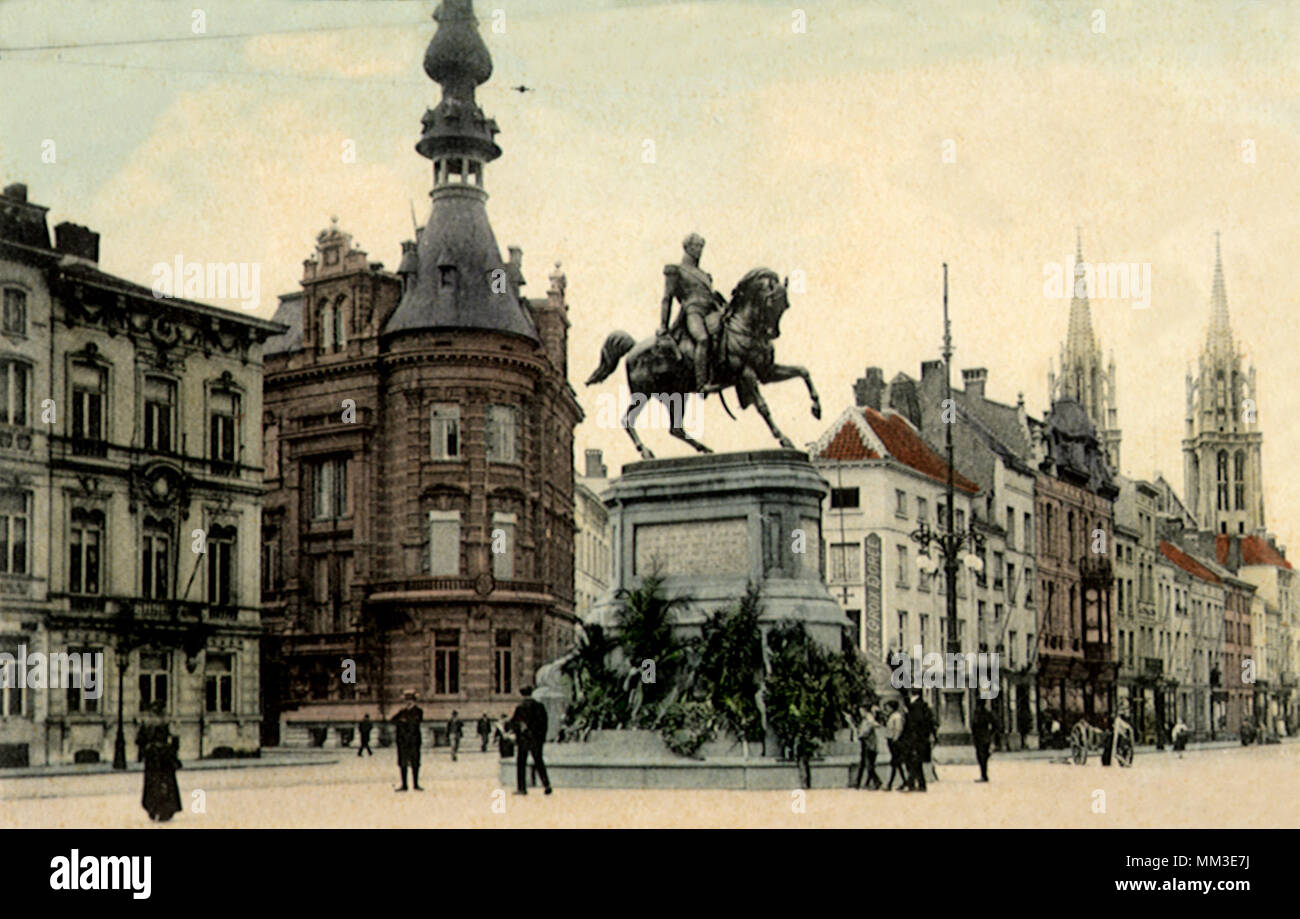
<point x="408" y="739"/>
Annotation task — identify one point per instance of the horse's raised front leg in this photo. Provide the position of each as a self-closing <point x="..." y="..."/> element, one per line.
<point x="779" y="373"/>
<point x="750" y="381"/>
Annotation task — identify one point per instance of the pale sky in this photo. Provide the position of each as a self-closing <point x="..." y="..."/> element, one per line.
<point x="819" y="152"/>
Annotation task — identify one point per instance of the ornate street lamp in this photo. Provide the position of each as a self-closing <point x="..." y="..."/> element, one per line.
<point x="128" y="639"/>
<point x="950" y="545"/>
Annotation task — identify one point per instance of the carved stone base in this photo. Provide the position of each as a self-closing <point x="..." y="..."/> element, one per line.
<point x="711" y="524"/>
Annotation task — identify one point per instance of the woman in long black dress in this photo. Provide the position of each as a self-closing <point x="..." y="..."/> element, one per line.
<point x="158" y="748"/>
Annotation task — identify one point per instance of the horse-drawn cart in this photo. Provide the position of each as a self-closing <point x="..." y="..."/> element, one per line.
<point x="1085" y="738"/>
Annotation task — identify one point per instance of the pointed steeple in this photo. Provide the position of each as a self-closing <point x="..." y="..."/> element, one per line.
<point x="1083" y="377"/>
<point x="1219" y="337"/>
<point x="1080" y="346"/>
<point x="460" y="281"/>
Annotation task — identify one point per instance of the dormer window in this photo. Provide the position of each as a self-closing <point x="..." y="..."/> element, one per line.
<point x="13" y="314"/>
<point x="447" y="277"/>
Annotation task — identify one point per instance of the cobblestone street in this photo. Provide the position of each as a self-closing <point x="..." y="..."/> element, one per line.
<point x="1254" y="787"/>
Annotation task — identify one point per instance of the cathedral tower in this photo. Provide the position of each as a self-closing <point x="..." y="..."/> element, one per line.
<point x="1222" y="469"/>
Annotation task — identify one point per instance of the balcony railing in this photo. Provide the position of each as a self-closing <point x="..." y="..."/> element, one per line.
<point x="85" y="447"/>
<point x="427" y="583"/>
<point x="1096" y="651"/>
<point x="166" y="609"/>
<point x="15" y="438"/>
<point x="1095" y="568"/>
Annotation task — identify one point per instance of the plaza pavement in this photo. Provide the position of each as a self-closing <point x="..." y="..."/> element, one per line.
<point x="1219" y="786"/>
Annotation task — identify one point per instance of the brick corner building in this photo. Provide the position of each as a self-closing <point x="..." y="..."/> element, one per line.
<point x="419" y="429"/>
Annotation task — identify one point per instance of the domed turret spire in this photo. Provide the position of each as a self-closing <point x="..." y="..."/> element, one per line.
<point x="458" y="60"/>
<point x="459" y="280"/>
<point x="457" y="57"/>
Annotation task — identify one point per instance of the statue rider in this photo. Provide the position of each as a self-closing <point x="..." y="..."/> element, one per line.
<point x="692" y="287"/>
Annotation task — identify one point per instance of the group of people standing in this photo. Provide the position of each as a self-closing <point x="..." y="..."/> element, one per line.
<point x="528" y="724"/>
<point x="909" y="729"/>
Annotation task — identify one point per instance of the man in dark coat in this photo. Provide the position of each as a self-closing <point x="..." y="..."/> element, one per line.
<point x="455" y="728"/>
<point x="916" y="736"/>
<point x="529" y="723"/>
<point x="408" y="739"/>
<point x="983" y="728"/>
<point x="484" y="731"/>
<point x="158" y="750"/>
<point x="364" y="729"/>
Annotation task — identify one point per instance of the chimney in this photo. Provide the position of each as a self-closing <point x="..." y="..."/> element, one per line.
<point x="595" y="465"/>
<point x="515" y="269"/>
<point x="931" y="369"/>
<point x="868" y="390"/>
<point x="973" y="380"/>
<point x="74" y="239"/>
<point x="20" y="220"/>
<point x="904" y="399"/>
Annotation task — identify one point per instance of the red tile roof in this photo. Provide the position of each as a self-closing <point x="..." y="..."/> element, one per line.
<point x="847" y="445"/>
<point x="1187" y="563"/>
<point x="902" y="442"/>
<point x="905" y="444"/>
<point x="1256" y="551"/>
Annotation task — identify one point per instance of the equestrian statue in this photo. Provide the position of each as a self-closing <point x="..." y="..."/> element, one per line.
<point x="713" y="346"/>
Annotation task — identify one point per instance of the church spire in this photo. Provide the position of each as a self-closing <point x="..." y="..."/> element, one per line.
<point x="1084" y="376"/>
<point x="1081" y="352"/>
<point x="1219" y="337"/>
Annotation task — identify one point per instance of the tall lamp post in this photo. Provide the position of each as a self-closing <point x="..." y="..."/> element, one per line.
<point x="127" y="641"/>
<point x="950" y="544"/>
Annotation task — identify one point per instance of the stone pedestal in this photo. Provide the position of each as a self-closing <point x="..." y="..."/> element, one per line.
<point x="713" y="523"/>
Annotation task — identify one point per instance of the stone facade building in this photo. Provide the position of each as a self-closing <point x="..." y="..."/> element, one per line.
<point x="1075" y="492"/>
<point x="593" y="554"/>
<point x="1144" y="668"/>
<point x="992" y="445"/>
<point x="421" y="518"/>
<point x="130" y="501"/>
<point x="885" y="483"/>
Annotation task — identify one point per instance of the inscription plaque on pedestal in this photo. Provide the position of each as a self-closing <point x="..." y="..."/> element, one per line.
<point x="693" y="548"/>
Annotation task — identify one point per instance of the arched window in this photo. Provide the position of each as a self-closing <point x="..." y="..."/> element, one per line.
<point x="340" y="339"/>
<point x="1222" y="465"/>
<point x="325" y="327"/>
<point x="1239" y="480"/>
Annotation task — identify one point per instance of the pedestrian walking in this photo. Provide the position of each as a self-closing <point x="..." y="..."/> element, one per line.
<point x="484" y="731"/>
<point x="455" y="728"/>
<point x="408" y="740"/>
<point x="158" y="751"/>
<point x="894" y="727"/>
<point x="1179" y="736"/>
<point x="364" y="730"/>
<point x="868" y="739"/>
<point x="916" y="740"/>
<point x="529" y="723"/>
<point x="983" y="728"/>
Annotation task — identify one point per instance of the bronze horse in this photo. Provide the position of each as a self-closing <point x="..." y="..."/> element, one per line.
<point x="742" y="358"/>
